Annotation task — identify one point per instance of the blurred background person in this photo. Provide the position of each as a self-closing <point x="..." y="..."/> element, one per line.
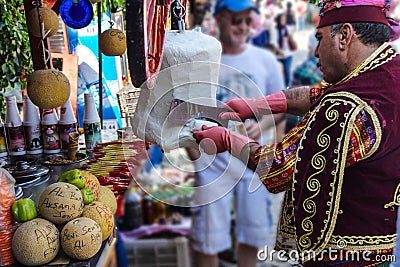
<point x="251" y="71"/>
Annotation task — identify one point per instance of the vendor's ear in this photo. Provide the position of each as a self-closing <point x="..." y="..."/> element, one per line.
<point x="346" y="33"/>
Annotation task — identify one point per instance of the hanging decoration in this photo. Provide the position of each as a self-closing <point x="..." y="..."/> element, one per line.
<point x="46" y="88"/>
<point x="76" y="14"/>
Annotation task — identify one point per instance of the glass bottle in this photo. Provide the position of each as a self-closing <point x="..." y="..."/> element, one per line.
<point x="147" y="205"/>
<point x="132" y="218"/>
<point x="3" y="144"/>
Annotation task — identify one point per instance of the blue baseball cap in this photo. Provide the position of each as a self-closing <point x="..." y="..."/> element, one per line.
<point x="234" y="5"/>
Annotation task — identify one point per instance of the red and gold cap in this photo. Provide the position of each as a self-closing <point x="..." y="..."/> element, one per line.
<point x="340" y="11"/>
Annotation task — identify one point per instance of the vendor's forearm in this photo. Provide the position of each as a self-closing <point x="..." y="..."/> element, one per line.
<point x="298" y="100"/>
<point x="247" y="155"/>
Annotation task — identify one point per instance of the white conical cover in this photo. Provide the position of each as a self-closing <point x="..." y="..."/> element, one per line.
<point x="90" y="114"/>
<point x="12" y="116"/>
<point x="67" y="115"/>
<point x="31" y="115"/>
<point x="49" y="116"/>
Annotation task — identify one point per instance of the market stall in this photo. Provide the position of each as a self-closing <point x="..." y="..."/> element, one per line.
<point x="66" y="171"/>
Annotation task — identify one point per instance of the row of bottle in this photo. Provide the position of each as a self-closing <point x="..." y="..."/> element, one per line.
<point x="141" y="208"/>
<point x="49" y="135"/>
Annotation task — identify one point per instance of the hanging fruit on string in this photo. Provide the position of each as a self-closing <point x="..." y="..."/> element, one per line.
<point x="48" y="88"/>
<point x="112" y="42"/>
<point x="48" y="22"/>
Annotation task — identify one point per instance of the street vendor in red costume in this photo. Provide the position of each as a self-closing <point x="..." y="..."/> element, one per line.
<point x="339" y="166"/>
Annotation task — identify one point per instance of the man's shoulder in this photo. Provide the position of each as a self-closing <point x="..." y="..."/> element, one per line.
<point x="259" y="52"/>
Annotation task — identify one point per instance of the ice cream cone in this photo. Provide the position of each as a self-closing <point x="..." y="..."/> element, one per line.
<point x="73" y="145"/>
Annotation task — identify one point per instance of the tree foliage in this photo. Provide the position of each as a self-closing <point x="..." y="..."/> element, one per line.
<point x="15" y="54"/>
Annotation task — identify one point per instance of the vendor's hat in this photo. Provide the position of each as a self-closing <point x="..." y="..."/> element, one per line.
<point x="234" y="5"/>
<point x="341" y="11"/>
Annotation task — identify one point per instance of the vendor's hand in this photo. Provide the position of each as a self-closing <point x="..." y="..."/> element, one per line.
<point x="253" y="129"/>
<point x="218" y="139"/>
<point x="246" y="108"/>
<point x="242" y="108"/>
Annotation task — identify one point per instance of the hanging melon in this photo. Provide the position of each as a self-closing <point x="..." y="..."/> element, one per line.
<point x="112" y="42"/>
<point x="48" y="88"/>
<point x="48" y="18"/>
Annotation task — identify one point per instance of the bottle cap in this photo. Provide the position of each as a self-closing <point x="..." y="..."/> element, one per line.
<point x="49" y="116"/>
<point x="12" y="116"/>
<point x="90" y="114"/>
<point x="67" y="115"/>
<point x="31" y="115"/>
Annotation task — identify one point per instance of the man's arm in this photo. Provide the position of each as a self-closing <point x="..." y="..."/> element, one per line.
<point x="298" y="100"/>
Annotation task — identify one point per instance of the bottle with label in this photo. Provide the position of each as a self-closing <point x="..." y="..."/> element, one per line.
<point x="91" y="123"/>
<point x="132" y="218"/>
<point x="3" y="144"/>
<point x="147" y="206"/>
<point x="67" y="124"/>
<point x="51" y="137"/>
<point x="32" y="128"/>
<point x="14" y="128"/>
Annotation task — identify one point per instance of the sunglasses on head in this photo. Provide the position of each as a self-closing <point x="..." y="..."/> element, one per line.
<point x="239" y="20"/>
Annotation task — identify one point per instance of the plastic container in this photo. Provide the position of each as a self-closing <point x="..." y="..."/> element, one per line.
<point x="51" y="136"/>
<point x="32" y="128"/>
<point x="91" y="123"/>
<point x="158" y="252"/>
<point x="67" y="124"/>
<point x="14" y="129"/>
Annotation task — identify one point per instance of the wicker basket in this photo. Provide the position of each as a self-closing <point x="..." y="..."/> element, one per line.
<point x="127" y="101"/>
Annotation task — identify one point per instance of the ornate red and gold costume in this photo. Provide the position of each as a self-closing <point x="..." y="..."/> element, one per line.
<point x="339" y="166"/>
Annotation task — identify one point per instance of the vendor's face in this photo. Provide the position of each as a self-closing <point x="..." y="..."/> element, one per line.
<point x="234" y="27"/>
<point x="331" y="61"/>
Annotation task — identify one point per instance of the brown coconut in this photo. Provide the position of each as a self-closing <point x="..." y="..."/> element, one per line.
<point x="36" y="242"/>
<point x="100" y="213"/>
<point x="48" y="88"/>
<point x="107" y="197"/>
<point x="60" y="203"/>
<point x="81" y="238"/>
<point x="47" y="16"/>
<point x="112" y="42"/>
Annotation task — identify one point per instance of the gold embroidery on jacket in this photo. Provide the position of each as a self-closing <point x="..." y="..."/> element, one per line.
<point x="334" y="99"/>
<point x="362" y="242"/>
<point x="396" y="198"/>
